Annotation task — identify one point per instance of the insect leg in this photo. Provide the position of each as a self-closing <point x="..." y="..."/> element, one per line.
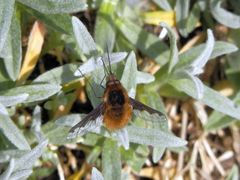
<point x="89" y="84"/>
<point x="102" y="81"/>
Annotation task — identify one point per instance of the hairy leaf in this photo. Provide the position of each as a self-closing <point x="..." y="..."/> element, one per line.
<point x="56" y="6"/>
<point x="11" y="131"/>
<point x="6" y="12"/>
<point x="111" y="162"/>
<point x="36" y="92"/>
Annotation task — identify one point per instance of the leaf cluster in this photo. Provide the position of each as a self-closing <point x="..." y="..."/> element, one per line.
<point x="28" y="88"/>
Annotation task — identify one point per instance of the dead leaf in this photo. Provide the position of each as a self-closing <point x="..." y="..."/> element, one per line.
<point x="35" y="43"/>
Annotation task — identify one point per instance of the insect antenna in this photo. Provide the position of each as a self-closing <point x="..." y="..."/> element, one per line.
<point x="109" y="64"/>
<point x="88" y="83"/>
<point x="105" y="67"/>
<point x="106" y="72"/>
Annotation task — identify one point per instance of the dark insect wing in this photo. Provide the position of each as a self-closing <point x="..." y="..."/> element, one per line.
<point x="89" y="122"/>
<point x="141" y="107"/>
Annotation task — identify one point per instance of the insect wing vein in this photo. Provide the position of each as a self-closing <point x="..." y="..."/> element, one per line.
<point x="142" y="107"/>
<point x="90" y="122"/>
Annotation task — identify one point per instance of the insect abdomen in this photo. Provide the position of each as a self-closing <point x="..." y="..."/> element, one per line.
<point x="117" y="118"/>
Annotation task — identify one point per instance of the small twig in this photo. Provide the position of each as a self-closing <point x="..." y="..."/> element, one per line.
<point x="59" y="167"/>
<point x="183" y="136"/>
<point x="214" y="159"/>
<point x="198" y="38"/>
<point x="236" y="142"/>
<point x="225" y="156"/>
<point x="60" y="171"/>
<point x="203" y="174"/>
<point x="193" y="161"/>
<point x="200" y="111"/>
<point x="207" y="164"/>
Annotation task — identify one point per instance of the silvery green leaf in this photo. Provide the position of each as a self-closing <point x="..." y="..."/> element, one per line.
<point x="173" y="59"/>
<point x="15" y="153"/>
<point x="22" y="174"/>
<point x="29" y="158"/>
<point x="154" y="122"/>
<point x="223" y="16"/>
<point x="137" y="163"/>
<point x="13" y="100"/>
<point x="234" y="173"/>
<point x="36" y="92"/>
<point x="6" y="12"/>
<point x="57" y="134"/>
<point x="198" y="64"/>
<point x="58" y="22"/>
<point x="199" y="89"/>
<point x="147" y="43"/>
<point x="96" y="175"/>
<point x="69" y="120"/>
<point x="122" y="137"/>
<point x="125" y="175"/>
<point x="58" y="75"/>
<point x="11" y="131"/>
<point x="10" y="174"/>
<point x="202" y="5"/>
<point x="220" y="48"/>
<point x="161" y="120"/>
<point x="219" y="120"/>
<point x="4" y="158"/>
<point x="84" y="39"/>
<point x="193" y="17"/>
<point x="129" y="80"/>
<point x="7" y="173"/>
<point x="56" y="6"/>
<point x="210" y="97"/>
<point x="20" y="167"/>
<point x="13" y="49"/>
<point x="154" y="137"/>
<point x="36" y="123"/>
<point x="3" y="110"/>
<point x="158" y="153"/>
<point x="163" y="4"/>
<point x="182" y="13"/>
<point x="105" y="31"/>
<point x="95" y="63"/>
<point x="144" y="78"/>
<point x="92" y="140"/>
<point x="111" y="162"/>
<point x="196" y="67"/>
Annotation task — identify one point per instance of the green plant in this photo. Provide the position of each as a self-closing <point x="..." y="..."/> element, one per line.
<point x="120" y="27"/>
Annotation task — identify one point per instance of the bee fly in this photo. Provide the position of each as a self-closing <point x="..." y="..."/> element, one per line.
<point x="115" y="111"/>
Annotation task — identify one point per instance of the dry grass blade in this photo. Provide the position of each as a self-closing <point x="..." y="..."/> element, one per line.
<point x="213" y="158"/>
<point x="236" y="143"/>
<point x="35" y="43"/>
<point x="183" y="136"/>
<point x="207" y="164"/>
<point x="193" y="161"/>
<point x="192" y="42"/>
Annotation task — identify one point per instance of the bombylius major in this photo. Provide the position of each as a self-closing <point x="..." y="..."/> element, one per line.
<point x="116" y="109"/>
